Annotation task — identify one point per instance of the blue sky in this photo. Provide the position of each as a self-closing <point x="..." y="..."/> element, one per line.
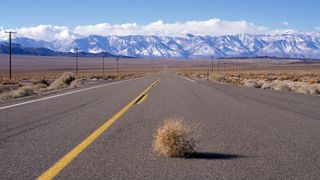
<point x="300" y="14"/>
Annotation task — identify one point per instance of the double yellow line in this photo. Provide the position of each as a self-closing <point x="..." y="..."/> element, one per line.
<point x="66" y="159"/>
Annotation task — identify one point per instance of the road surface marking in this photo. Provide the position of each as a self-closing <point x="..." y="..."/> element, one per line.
<point x="64" y="94"/>
<point x="188" y="79"/>
<point x="66" y="159"/>
<point x="143" y="98"/>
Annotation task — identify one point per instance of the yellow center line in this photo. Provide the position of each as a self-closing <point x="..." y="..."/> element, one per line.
<point x="66" y="159"/>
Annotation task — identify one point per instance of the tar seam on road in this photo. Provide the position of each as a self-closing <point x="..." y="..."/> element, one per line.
<point x="142" y="98"/>
<point x="59" y="95"/>
<point x="66" y="159"/>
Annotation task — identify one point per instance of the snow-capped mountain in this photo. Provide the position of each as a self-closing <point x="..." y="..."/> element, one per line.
<point x="293" y="45"/>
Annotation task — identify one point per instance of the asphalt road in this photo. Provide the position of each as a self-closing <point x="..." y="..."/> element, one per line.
<point x="245" y="133"/>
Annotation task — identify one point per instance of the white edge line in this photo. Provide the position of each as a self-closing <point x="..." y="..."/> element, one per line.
<point x="63" y="94"/>
<point x="191" y="80"/>
<point x="188" y="79"/>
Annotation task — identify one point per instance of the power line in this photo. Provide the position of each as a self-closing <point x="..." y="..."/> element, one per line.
<point x="10" y="51"/>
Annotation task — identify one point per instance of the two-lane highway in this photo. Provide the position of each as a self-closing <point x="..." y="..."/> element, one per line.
<point x="244" y="133"/>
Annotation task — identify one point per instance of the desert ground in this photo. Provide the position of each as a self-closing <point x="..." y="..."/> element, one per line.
<point x="47" y="66"/>
<point x="95" y="126"/>
<point x="287" y="75"/>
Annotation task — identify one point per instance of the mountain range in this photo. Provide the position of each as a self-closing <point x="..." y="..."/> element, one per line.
<point x="285" y="45"/>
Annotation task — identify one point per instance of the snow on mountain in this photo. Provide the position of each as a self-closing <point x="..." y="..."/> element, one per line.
<point x="288" y="44"/>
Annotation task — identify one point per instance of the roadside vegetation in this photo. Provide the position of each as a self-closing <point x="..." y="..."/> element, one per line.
<point x="174" y="139"/>
<point x="26" y="86"/>
<point x="307" y="83"/>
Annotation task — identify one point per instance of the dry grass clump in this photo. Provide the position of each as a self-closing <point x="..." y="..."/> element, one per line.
<point x="25" y="85"/>
<point x="23" y="91"/>
<point x="253" y="83"/>
<point x="63" y="81"/>
<point x="76" y="83"/>
<point x="28" y="88"/>
<point x="281" y="85"/>
<point x="300" y="82"/>
<point x="7" y="81"/>
<point x="217" y="77"/>
<point x="286" y="85"/>
<point x="174" y="139"/>
<point x="39" y="87"/>
<point x="20" y="92"/>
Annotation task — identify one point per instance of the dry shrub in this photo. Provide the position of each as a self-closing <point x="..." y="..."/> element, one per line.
<point x="43" y="81"/>
<point x="217" y="77"/>
<point x="7" y="81"/>
<point x="63" y="81"/>
<point x="40" y="87"/>
<point x="76" y="83"/>
<point x="6" y="95"/>
<point x="20" y="92"/>
<point x="253" y="83"/>
<point x="300" y="82"/>
<point x="202" y="76"/>
<point x="281" y="86"/>
<point x="308" y="88"/>
<point x="294" y="86"/>
<point x="314" y="89"/>
<point x="23" y="91"/>
<point x="174" y="139"/>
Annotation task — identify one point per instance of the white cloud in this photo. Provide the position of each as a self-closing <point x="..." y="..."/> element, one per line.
<point x="208" y="27"/>
<point x="43" y="32"/>
<point x="285" y="23"/>
<point x="283" y="31"/>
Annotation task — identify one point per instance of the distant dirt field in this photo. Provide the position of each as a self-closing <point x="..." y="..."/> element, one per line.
<point x="259" y="65"/>
<point x="51" y="65"/>
<point x="26" y="67"/>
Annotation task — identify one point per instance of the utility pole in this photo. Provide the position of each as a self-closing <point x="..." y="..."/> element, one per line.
<point x="218" y="67"/>
<point x="103" y="65"/>
<point x="10" y="51"/>
<point x="77" y="57"/>
<point x="211" y="64"/>
<point x="117" y="61"/>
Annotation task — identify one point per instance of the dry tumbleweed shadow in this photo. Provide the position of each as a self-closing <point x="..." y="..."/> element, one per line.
<point x="214" y="156"/>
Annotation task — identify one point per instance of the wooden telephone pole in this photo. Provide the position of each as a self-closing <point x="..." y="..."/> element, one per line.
<point x="117" y="60"/>
<point x="103" y="65"/>
<point x="77" y="58"/>
<point x="211" y="64"/>
<point x="10" y="51"/>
